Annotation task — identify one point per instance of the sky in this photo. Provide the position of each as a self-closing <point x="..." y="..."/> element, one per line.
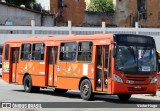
<point x="45" y="4"/>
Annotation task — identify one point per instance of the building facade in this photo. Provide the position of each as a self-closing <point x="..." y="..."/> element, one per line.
<point x="19" y="16"/>
<point x="73" y="10"/>
<point x="146" y="12"/>
<point x="12" y="15"/>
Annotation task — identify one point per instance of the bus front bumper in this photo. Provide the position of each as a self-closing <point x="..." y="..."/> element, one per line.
<point x="121" y="88"/>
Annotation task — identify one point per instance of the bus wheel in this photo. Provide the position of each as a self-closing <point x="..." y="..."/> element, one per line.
<point x="86" y="90"/>
<point x="124" y="97"/>
<point x="57" y="90"/>
<point x="28" y="84"/>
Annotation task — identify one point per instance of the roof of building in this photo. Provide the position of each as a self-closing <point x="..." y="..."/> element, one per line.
<point x="22" y="8"/>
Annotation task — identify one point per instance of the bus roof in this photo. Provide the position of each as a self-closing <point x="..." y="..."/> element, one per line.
<point x="63" y="38"/>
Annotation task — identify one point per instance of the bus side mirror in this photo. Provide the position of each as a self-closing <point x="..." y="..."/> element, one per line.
<point x="114" y="52"/>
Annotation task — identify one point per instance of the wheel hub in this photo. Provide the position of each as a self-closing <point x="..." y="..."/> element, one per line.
<point x="85" y="89"/>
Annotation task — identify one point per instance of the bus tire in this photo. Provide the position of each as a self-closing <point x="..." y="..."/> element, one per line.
<point x="124" y="97"/>
<point x="57" y="90"/>
<point x="28" y="84"/>
<point x="86" y="90"/>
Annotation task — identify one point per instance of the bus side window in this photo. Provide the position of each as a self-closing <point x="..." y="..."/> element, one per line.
<point x="26" y="52"/>
<point x="68" y="51"/>
<point x="38" y="51"/>
<point x="6" y="51"/>
<point x="85" y="51"/>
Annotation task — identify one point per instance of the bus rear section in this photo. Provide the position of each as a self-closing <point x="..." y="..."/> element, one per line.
<point x="10" y="62"/>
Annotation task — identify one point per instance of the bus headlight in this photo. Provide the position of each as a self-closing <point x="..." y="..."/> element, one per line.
<point x="154" y="80"/>
<point x="117" y="78"/>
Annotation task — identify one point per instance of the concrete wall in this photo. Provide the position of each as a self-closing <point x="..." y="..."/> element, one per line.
<point x="96" y="19"/>
<point x="48" y="20"/>
<point x="21" y="17"/>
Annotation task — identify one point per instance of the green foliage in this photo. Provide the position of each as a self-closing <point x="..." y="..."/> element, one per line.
<point x="38" y="7"/>
<point x="100" y="6"/>
<point x="27" y="3"/>
<point x="31" y="4"/>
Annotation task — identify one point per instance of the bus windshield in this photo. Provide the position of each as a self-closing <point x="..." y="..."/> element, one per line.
<point x="135" y="58"/>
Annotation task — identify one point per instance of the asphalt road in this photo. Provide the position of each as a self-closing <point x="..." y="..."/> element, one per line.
<point x="15" y="93"/>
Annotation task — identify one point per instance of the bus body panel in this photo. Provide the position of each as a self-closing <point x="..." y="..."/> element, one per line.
<point x="69" y="74"/>
<point x="5" y="77"/>
<point x="14" y="45"/>
<point x="158" y="82"/>
<point x="109" y="85"/>
<point x="38" y="80"/>
<point x="50" y="75"/>
<point x="68" y="83"/>
<point x="20" y="78"/>
<point x="35" y="69"/>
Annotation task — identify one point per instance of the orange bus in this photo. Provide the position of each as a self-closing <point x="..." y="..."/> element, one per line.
<point x="117" y="64"/>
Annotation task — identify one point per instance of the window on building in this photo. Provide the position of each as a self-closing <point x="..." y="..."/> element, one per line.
<point x="85" y="51"/>
<point x="141" y="7"/>
<point x="60" y="3"/>
<point x="38" y="51"/>
<point x="77" y="1"/>
<point x="26" y="52"/>
<point x="159" y="16"/>
<point x="68" y="51"/>
<point x="6" y="51"/>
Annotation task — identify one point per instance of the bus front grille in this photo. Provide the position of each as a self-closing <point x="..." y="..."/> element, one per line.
<point x="140" y="80"/>
<point x="137" y="89"/>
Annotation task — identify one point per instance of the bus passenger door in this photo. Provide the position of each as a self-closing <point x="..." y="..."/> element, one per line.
<point x="52" y="59"/>
<point x="102" y="68"/>
<point x="15" y="57"/>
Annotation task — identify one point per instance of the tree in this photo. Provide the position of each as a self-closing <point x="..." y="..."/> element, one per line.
<point x="31" y="4"/>
<point x="101" y="6"/>
<point x="27" y="3"/>
<point x="37" y="6"/>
